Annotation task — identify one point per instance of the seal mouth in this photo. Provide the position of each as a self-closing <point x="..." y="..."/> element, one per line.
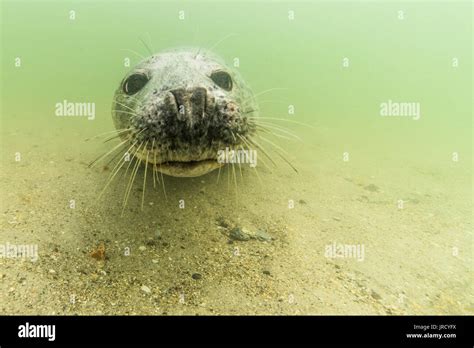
<point x="183" y="166"/>
<point x="188" y="168"/>
<point x="187" y="165"/>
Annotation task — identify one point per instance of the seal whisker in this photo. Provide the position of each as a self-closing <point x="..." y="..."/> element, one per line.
<point x="267" y="124"/>
<point x="113" y="158"/>
<point x="246" y="141"/>
<point x="112" y="138"/>
<point x="129" y="184"/>
<point x="221" y="40"/>
<point x="134" y="52"/>
<point x="154" y="176"/>
<point x="126" y="112"/>
<point x="235" y="180"/>
<point x="255" y="168"/>
<point x="269" y="127"/>
<point x="112" y="175"/>
<point x="264" y="92"/>
<point x="154" y="162"/>
<point x="111" y="178"/>
<point x="163" y="183"/>
<point x="133" y="174"/>
<point x="273" y="144"/>
<point x="118" y="131"/>
<point x="125" y="106"/>
<point x="130" y="97"/>
<point x="259" y="146"/>
<point x="91" y="164"/>
<point x="219" y="174"/>
<point x="279" y="154"/>
<point x="116" y="169"/>
<point x="146" y="46"/>
<point x="131" y="160"/>
<point x="233" y="136"/>
<point x="240" y="170"/>
<point x="253" y="142"/>
<point x="144" y="176"/>
<point x="281" y="119"/>
<point x="150" y="41"/>
<point x="270" y="101"/>
<point x="270" y="132"/>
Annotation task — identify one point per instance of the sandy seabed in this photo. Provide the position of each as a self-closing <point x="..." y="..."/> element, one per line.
<point x="414" y="259"/>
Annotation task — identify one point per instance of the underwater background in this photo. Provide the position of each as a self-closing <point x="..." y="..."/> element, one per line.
<point x="377" y="219"/>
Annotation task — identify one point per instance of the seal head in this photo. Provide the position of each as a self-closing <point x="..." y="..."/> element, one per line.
<point x="180" y="107"/>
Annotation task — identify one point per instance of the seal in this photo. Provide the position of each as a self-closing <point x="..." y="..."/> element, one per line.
<point x="179" y="108"/>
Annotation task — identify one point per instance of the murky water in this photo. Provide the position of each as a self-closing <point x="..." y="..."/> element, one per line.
<point x="376" y="98"/>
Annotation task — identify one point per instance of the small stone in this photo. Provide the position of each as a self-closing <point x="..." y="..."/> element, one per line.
<point x="196" y="276"/>
<point x="154" y="261"/>
<point x="157" y="233"/>
<point x="145" y="289"/>
<point x="375" y="295"/>
<point x="52" y="271"/>
<point x="238" y="233"/>
<point x="263" y="236"/>
<point x="99" y="252"/>
<point x="150" y="242"/>
<point x="371" y="188"/>
<point x="221" y="221"/>
<point x="142" y="248"/>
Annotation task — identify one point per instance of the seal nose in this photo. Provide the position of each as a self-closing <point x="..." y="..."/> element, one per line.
<point x="191" y="103"/>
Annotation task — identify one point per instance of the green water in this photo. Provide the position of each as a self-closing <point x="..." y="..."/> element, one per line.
<point x="334" y="63"/>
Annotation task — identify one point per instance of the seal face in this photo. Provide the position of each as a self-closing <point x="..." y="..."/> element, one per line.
<point x="180" y="107"/>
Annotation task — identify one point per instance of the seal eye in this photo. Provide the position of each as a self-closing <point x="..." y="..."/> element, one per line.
<point x="134" y="83"/>
<point x="222" y="79"/>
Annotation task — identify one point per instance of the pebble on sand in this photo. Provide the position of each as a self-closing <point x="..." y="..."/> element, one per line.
<point x="263" y="236"/>
<point x="99" y="252"/>
<point x="196" y="276"/>
<point x="372" y="188"/>
<point x="145" y="289"/>
<point x="238" y="233"/>
<point x="243" y="234"/>
<point x="157" y="233"/>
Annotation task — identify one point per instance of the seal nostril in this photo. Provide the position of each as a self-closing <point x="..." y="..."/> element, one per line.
<point x="192" y="102"/>
<point x="198" y="101"/>
<point x="179" y="95"/>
